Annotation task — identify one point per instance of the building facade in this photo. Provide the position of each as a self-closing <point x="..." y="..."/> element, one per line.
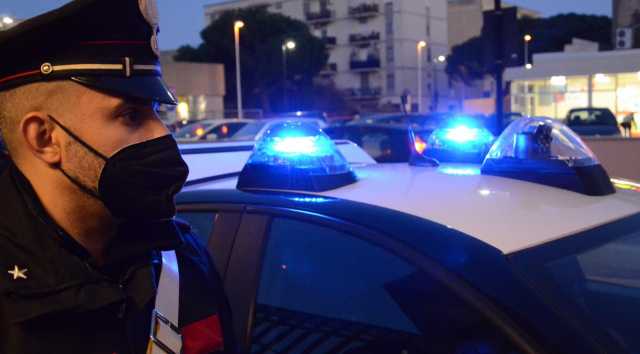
<point x="199" y="87"/>
<point x="626" y="24"/>
<point x="558" y="82"/>
<point x="373" y="46"/>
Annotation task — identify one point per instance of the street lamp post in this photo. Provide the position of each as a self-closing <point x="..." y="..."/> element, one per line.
<point x="288" y="45"/>
<point x="436" y="92"/>
<point x="527" y="39"/>
<point x="236" y="33"/>
<point x="421" y="45"/>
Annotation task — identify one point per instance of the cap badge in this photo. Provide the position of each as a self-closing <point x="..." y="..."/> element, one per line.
<point x="18" y="273"/>
<point x="149" y="9"/>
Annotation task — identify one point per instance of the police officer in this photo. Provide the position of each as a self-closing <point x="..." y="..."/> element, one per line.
<point x="87" y="202"/>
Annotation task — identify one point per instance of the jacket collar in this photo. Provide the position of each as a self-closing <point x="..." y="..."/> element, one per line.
<point x="61" y="274"/>
<point x="133" y="239"/>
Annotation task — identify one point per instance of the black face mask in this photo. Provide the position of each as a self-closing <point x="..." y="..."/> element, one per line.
<point x="140" y="181"/>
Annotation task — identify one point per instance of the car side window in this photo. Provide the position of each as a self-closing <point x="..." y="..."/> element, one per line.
<point x="326" y="291"/>
<point x="201" y="223"/>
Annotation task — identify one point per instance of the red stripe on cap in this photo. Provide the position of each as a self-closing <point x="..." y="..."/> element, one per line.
<point x="202" y="337"/>
<point x="17" y="76"/>
<point x="113" y="42"/>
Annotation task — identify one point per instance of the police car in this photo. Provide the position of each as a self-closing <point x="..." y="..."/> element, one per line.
<point x="536" y="250"/>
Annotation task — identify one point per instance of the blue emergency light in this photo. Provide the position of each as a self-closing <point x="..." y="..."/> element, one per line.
<point x="545" y="151"/>
<point x="296" y="156"/>
<point x="461" y="139"/>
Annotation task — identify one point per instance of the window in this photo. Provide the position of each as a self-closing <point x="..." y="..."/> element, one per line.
<point x="201" y="223"/>
<point x="391" y="83"/>
<point x="224" y="131"/>
<point x="364" y="81"/>
<point x="388" y="19"/>
<point x="325" y="291"/>
<point x="595" y="279"/>
<point x="389" y="53"/>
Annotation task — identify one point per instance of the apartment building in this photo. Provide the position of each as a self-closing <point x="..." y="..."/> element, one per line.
<point x="373" y="46"/>
<point x="626" y="24"/>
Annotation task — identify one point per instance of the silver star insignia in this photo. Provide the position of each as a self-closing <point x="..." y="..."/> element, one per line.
<point x="18" y="273"/>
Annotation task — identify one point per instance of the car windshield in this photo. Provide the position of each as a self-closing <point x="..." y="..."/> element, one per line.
<point x="591" y="117"/>
<point x="594" y="278"/>
<point x="248" y="132"/>
<point x="223" y="131"/>
<point x="194" y="130"/>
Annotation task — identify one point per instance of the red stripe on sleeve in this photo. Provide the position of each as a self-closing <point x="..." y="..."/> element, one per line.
<point x="202" y="337"/>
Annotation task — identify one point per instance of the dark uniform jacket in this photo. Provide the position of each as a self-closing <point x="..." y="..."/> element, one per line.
<point x="67" y="304"/>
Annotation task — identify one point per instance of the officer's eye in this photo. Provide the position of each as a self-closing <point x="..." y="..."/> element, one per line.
<point x="132" y="117"/>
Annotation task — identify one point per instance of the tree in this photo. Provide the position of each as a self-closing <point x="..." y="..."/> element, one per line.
<point x="261" y="60"/>
<point x="549" y="35"/>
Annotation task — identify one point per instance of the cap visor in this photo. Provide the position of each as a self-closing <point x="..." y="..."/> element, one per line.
<point x="150" y="88"/>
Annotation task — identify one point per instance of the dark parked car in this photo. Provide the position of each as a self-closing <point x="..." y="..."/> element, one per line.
<point x="384" y="142"/>
<point x="593" y="122"/>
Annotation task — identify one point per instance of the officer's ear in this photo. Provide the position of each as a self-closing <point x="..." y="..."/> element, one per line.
<point x="37" y="132"/>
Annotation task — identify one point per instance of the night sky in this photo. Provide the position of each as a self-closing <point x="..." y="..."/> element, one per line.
<point x="182" y="20"/>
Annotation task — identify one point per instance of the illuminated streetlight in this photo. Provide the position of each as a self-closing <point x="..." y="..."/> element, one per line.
<point x="442" y="58"/>
<point x="421" y="45"/>
<point x="527" y="38"/>
<point x="236" y="35"/>
<point x="289" y="45"/>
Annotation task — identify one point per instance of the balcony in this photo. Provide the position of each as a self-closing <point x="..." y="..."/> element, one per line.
<point x="329" y="41"/>
<point x="364" y="11"/>
<point x="364" y="39"/>
<point x="319" y="17"/>
<point x="369" y="64"/>
<point x="329" y="69"/>
<point x="364" y="93"/>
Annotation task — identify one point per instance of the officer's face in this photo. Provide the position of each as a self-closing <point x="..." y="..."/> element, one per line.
<point x="108" y="124"/>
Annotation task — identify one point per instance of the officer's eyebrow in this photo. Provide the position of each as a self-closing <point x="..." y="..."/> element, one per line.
<point x="128" y="104"/>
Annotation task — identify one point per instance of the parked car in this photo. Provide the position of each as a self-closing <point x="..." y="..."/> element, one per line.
<point x="209" y="129"/>
<point x="255" y="129"/>
<point x="593" y="122"/>
<point x="514" y="256"/>
<point x="384" y="142"/>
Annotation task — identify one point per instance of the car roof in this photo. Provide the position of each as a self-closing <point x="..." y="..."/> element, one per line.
<point x="510" y="215"/>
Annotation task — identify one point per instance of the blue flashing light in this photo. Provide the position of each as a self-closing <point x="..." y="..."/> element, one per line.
<point x="462" y="139"/>
<point x="461" y="134"/>
<point x="295" y="156"/>
<point x="300" y="145"/>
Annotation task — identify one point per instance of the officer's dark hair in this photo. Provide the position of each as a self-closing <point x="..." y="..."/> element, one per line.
<point x="16" y="102"/>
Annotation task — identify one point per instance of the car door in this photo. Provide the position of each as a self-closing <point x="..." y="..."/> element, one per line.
<point x="302" y="283"/>
<point x="216" y="227"/>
